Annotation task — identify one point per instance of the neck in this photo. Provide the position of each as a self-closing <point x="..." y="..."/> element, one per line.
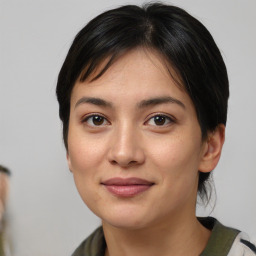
<point x="179" y="238"/>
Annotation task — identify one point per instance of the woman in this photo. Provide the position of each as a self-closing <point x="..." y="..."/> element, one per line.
<point x="143" y="99"/>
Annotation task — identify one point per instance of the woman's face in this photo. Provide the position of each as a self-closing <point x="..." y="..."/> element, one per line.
<point x="134" y="144"/>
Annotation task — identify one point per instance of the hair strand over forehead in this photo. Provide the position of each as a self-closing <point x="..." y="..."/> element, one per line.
<point x="185" y="44"/>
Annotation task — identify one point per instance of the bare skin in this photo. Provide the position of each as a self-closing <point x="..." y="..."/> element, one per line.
<point x="135" y="123"/>
<point x="159" y="240"/>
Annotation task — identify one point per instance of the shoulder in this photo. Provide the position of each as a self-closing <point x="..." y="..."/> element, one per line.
<point x="94" y="245"/>
<point x="226" y="241"/>
<point x="242" y="246"/>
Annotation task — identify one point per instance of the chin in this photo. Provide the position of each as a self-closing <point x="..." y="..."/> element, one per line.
<point x="125" y="223"/>
<point x="130" y="219"/>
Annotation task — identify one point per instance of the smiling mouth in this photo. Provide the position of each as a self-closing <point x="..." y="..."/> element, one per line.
<point x="129" y="187"/>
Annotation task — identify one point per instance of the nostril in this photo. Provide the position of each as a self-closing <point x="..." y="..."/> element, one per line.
<point x="132" y="162"/>
<point x="113" y="162"/>
<point x="125" y="156"/>
<point x="124" y="164"/>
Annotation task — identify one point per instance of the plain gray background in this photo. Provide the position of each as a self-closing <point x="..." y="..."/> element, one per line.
<point x="46" y="215"/>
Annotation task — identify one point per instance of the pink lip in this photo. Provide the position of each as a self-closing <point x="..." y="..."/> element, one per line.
<point x="128" y="187"/>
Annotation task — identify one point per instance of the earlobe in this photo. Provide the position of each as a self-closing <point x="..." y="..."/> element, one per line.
<point x="212" y="149"/>
<point x="68" y="161"/>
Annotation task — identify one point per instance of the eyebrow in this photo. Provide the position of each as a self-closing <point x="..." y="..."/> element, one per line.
<point x="142" y="104"/>
<point x="160" y="100"/>
<point x="94" y="101"/>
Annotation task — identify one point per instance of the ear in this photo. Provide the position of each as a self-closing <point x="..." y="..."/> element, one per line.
<point x="69" y="161"/>
<point x="212" y="149"/>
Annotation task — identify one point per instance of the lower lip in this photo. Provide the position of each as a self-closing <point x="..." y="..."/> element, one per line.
<point x="127" y="190"/>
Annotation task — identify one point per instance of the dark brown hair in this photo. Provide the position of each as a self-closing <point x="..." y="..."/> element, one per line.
<point x="181" y="39"/>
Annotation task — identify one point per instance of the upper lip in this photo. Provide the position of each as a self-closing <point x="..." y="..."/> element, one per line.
<point x="126" y="181"/>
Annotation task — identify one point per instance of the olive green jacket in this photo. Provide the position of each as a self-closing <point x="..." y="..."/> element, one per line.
<point x="1" y="245"/>
<point x="224" y="241"/>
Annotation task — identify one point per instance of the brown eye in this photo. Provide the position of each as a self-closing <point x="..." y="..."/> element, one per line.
<point x="96" y="120"/>
<point x="160" y="120"/>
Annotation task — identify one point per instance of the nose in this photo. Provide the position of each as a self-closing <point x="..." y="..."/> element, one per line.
<point x="126" y="147"/>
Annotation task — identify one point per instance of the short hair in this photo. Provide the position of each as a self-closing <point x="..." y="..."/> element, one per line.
<point x="182" y="40"/>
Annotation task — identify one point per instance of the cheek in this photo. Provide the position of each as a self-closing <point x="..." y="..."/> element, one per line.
<point x="177" y="159"/>
<point x="176" y="151"/>
<point x="84" y="153"/>
<point x="84" y="158"/>
<point x="87" y="190"/>
<point x="177" y="164"/>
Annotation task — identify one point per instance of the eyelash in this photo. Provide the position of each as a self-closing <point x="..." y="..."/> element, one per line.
<point x="91" y="116"/>
<point x="161" y="116"/>
<point x="103" y="120"/>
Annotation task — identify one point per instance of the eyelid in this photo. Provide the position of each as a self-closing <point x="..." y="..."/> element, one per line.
<point x="168" y="116"/>
<point x="85" y="118"/>
<point x="171" y="118"/>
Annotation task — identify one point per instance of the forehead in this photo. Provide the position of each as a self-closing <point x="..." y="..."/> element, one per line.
<point x="99" y="66"/>
<point x="140" y="73"/>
